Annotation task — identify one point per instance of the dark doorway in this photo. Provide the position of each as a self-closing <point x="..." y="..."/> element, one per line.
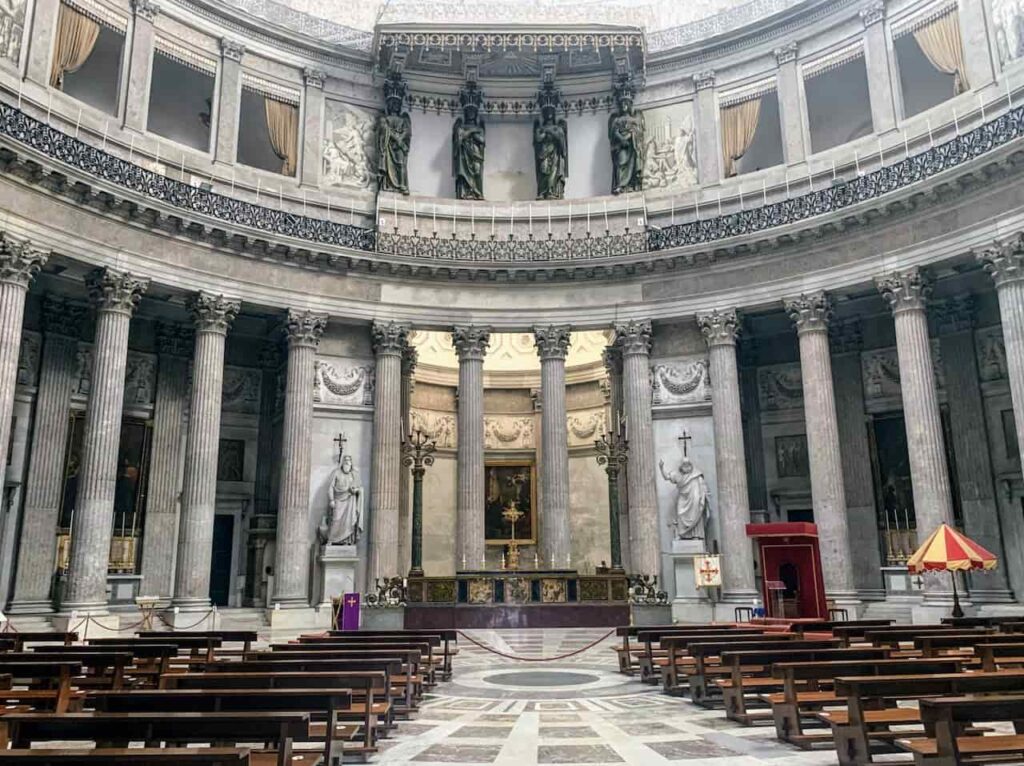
<point x="894" y="494"/>
<point x="220" y="566"/>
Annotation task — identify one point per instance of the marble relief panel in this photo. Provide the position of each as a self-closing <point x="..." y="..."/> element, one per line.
<point x="881" y="371"/>
<point x="348" y="150"/>
<point x="586" y="426"/>
<point x="988" y="345"/>
<point x="681" y="382"/>
<point x="140" y="379"/>
<point x="439" y="426"/>
<point x="671" y="147"/>
<point x="343" y="382"/>
<point x="28" y="357"/>
<point x="780" y="387"/>
<point x="241" y="390"/>
<point x="12" y="28"/>
<point x="509" y="432"/>
<point x="1008" y="25"/>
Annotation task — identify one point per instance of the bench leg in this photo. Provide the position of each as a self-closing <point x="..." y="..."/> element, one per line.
<point x="852" y="747"/>
<point x="735" y="705"/>
<point x="698" y="691"/>
<point x="787" y="720"/>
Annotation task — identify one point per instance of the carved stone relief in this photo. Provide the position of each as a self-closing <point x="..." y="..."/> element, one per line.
<point x="341" y="382"/>
<point x="881" y="372"/>
<point x="780" y="387"/>
<point x="83" y="369"/>
<point x="140" y="379"/>
<point x="241" y="390"/>
<point x="12" y="28"/>
<point x="670" y="156"/>
<point x="439" y="426"/>
<point x="1008" y="24"/>
<point x="28" y="359"/>
<point x="586" y="426"/>
<point x="509" y="432"/>
<point x="683" y="382"/>
<point x="348" y="151"/>
<point x="988" y="344"/>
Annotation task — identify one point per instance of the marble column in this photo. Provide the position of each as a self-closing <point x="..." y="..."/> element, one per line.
<point x="266" y="457"/>
<point x="708" y="127"/>
<point x="612" y="357"/>
<point x="140" y="65"/>
<point x="40" y="39"/>
<point x="303" y="330"/>
<point x="954" y="319"/>
<point x="389" y="341"/>
<point x="409" y="358"/>
<point x="212" y="315"/>
<point x="552" y="346"/>
<point x="811" y="314"/>
<point x="37" y="550"/>
<point x="877" y="60"/>
<point x="312" y="127"/>
<point x="470" y="343"/>
<point x="720" y="330"/>
<point x="114" y="295"/>
<point x="753" y="444"/>
<point x="174" y="344"/>
<point x="229" y="82"/>
<point x="979" y="55"/>
<point x="634" y="341"/>
<point x="906" y="293"/>
<point x="791" y="109"/>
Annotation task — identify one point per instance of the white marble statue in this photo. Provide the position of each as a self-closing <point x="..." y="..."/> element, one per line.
<point x="343" y="521"/>
<point x="692" y="505"/>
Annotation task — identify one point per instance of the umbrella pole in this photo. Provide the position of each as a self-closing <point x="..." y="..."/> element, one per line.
<point x="957" y="611"/>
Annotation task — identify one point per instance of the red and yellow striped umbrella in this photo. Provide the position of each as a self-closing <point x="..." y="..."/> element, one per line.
<point x="946" y="550"/>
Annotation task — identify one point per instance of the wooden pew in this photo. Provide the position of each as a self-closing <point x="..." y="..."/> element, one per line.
<point x="829" y="626"/>
<point x="807" y="686"/>
<point x="649" y="668"/>
<point x="244" y="637"/>
<point x="124" y="756"/>
<point x="425" y="664"/>
<point x="48" y="681"/>
<point x="40" y="637"/>
<point x="150" y="659"/>
<point x="864" y="721"/>
<point x="199" y="647"/>
<point x="626" y="632"/>
<point x="933" y="645"/>
<point x="894" y="637"/>
<point x="117" y="729"/>
<point x="677" y="655"/>
<point x="449" y="640"/>
<point x="944" y="720"/>
<point x="999" y="655"/>
<point x="105" y="667"/>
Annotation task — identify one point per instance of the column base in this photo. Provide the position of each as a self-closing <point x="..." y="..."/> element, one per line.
<point x="304" y="617"/>
<point x="41" y="608"/>
<point x="194" y="605"/>
<point x="848" y="600"/>
<point x="187" y="620"/>
<point x="94" y="623"/>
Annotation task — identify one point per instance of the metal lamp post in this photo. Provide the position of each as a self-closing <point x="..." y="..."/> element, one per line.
<point x="418" y="453"/>
<point x="612" y="452"/>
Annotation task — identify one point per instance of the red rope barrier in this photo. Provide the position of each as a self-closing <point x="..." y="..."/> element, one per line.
<point x="492" y="650"/>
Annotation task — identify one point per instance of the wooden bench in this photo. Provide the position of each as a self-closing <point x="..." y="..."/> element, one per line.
<point x="198" y="647"/>
<point x="21" y="638"/>
<point x="866" y="720"/>
<point x="944" y="720"/>
<point x="124" y="756"/>
<point x="244" y="637"/>
<point x="647" y="659"/>
<point x="105" y="668"/>
<point x="277" y="729"/>
<point x="933" y="646"/>
<point x="625" y="651"/>
<point x="999" y="655"/>
<point x="894" y="637"/>
<point x="802" y="628"/>
<point x="48" y="682"/>
<point x="449" y="640"/>
<point x="422" y="661"/>
<point x="677" y="655"/>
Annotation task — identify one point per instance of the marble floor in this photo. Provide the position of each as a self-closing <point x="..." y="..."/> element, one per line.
<point x="579" y="710"/>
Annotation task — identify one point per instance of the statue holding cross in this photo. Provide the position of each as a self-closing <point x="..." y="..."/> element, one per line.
<point x="693" y="507"/>
<point x="342" y="523"/>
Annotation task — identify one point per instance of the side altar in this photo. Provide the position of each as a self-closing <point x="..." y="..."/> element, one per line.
<point x="523" y="598"/>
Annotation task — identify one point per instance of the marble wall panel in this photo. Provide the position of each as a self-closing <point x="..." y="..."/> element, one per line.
<point x="671" y="147"/>
<point x="684" y="381"/>
<point x="439" y="517"/>
<point x="349" y="152"/>
<point x="241" y="390"/>
<point x="588" y="512"/>
<point x="780" y="387"/>
<point x="343" y="381"/>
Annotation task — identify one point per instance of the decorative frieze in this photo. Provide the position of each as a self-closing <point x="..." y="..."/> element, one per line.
<point x="881" y="372"/>
<point x="437" y="426"/>
<point x="988" y="344"/>
<point x="341" y="382"/>
<point x="174" y="339"/>
<point x="240" y="392"/>
<point x="954" y="314"/>
<point x="780" y="387"/>
<point x="681" y="382"/>
<point x="509" y="432"/>
<point x="28" y="358"/>
<point x="585" y="426"/>
<point x="62" y="317"/>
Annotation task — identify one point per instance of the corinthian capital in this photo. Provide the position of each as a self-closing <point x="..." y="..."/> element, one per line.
<point x="471" y="341"/>
<point x="809" y="312"/>
<point x="873" y="13"/>
<point x="720" y="328"/>
<point x="906" y="290"/>
<point x="1004" y="260"/>
<point x="634" y="337"/>
<point x="389" y="338"/>
<point x="114" y="290"/>
<point x="304" y="328"/>
<point x="786" y="53"/>
<point x="19" y="261"/>
<point x="212" y="313"/>
<point x="146" y="9"/>
<point x="409" y="359"/>
<point x="612" y="358"/>
<point x="552" y="342"/>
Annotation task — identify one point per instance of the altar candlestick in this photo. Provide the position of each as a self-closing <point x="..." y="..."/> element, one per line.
<point x="49" y="105"/>
<point x="106" y="127"/>
<point x="881" y="154"/>
<point x="472" y="219"/>
<point x="552" y="560"/>
<point x="536" y="558"/>
<point x="833" y="172"/>
<point x="21" y="84"/>
<point x="627" y="211"/>
<point x="131" y="151"/>
<point x="433" y="214"/>
<point x="463" y="562"/>
<point x="529" y="214"/>
<point x="570" y="217"/>
<point x="906" y="144"/>
<point x="785" y="174"/>
<point x="931" y="138"/>
<point x="696" y="204"/>
<point x="764" y="191"/>
<point x="606" y="216"/>
<point x="511" y="220"/>
<point x="304" y="202"/>
<point x="588" y="218"/>
<point x="549" y="218"/>
<point x="672" y="219"/>
<point x="257" y="189"/>
<point x="1009" y="96"/>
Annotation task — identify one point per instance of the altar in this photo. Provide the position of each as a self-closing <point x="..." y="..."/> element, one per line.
<point x="525" y="598"/>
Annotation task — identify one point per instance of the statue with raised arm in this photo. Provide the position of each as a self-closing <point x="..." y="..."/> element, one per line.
<point x="626" y="136"/>
<point x="469" y="139"/>
<point x="394" y="137"/>
<point x="692" y="504"/>
<point x="550" y="146"/>
<point x="343" y="522"/>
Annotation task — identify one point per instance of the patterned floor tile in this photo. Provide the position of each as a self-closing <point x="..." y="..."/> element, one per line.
<point x="577" y="754"/>
<point x="445" y="753"/>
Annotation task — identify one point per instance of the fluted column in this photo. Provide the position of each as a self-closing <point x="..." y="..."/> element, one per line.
<point x="811" y="314"/>
<point x="212" y="316"/>
<point x="471" y="346"/>
<point x="266" y="459"/>
<point x="229" y="85"/>
<point x="114" y="295"/>
<point x="389" y="340"/>
<point x="303" y="330"/>
<point x="409" y="358"/>
<point x="163" y="493"/>
<point x="552" y="346"/>
<point x="38" y="539"/>
<point x="720" y="329"/>
<point x="634" y="341"/>
<point x="140" y="65"/>
<point x="907" y="293"/>
<point x="612" y="357"/>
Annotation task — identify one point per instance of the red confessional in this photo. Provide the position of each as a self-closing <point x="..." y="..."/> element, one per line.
<point x="792" y="583"/>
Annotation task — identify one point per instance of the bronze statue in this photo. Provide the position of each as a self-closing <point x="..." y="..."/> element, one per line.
<point x="551" y="152"/>
<point x="626" y="136"/>
<point x="469" y="140"/>
<point x="394" y="135"/>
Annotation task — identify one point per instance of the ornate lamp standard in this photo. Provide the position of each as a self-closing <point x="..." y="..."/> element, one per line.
<point x="417" y="452"/>
<point x="612" y="452"/>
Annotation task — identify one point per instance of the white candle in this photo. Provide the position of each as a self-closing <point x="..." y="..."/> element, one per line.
<point x="49" y="105"/>
<point x="472" y="218"/>
<point x="415" y="224"/>
<point x="719" y="204"/>
<point x="696" y="204"/>
<point x="606" y="216"/>
<point x="956" y="122"/>
<point x="106" y="126"/>
<point x="881" y="154"/>
<point x="570" y="217"/>
<point x="833" y="172"/>
<point x="982" y="105"/>
<point x="492" y="220"/>
<point x="627" y="211"/>
<point x="588" y="218"/>
<point x="764" y="191"/>
<point x="328" y="199"/>
<point x="21" y="84"/>
<point x="906" y="144"/>
<point x="1009" y="96"/>
<point x="131" y="151"/>
<point x="741" y="196"/>
<point x="549" y="218"/>
<point x="931" y="139"/>
<point x="433" y="211"/>
<point x="856" y="161"/>
<point x="78" y="123"/>
<point x="258" y="185"/>
<point x="529" y="214"/>
<point x="785" y="174"/>
<point x="303" y="201"/>
<point x="511" y="220"/>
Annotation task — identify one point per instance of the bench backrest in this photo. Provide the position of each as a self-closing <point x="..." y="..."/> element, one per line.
<point x="445" y="634"/>
<point x="139" y="651"/>
<point x="231" y="700"/>
<point x="999" y="707"/>
<point x="768" y="656"/>
<point x="925" y="685"/>
<point x="367" y="679"/>
<point x="820" y="669"/>
<point x="701" y="650"/>
<point x="655" y="636"/>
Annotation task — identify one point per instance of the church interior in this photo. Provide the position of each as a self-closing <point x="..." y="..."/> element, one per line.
<point x="511" y="382"/>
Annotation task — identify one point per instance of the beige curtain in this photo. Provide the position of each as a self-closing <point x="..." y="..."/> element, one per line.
<point x="283" y="125"/>
<point x="76" y="36"/>
<point x="739" y="123"/>
<point x="940" y="43"/>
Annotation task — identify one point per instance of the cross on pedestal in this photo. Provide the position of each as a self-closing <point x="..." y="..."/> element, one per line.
<point x="340" y="440"/>
<point x="685" y="439"/>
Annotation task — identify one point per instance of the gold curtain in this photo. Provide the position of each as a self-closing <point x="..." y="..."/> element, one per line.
<point x="739" y="123"/>
<point x="76" y="36"/>
<point x="941" y="45"/>
<point x="283" y="125"/>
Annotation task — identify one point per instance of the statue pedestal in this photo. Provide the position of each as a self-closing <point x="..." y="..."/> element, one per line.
<point x="337" y="565"/>
<point x="691" y="603"/>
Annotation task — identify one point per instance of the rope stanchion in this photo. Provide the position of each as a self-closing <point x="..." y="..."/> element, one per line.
<point x="507" y="656"/>
<point x="193" y="625"/>
<point x="118" y="629"/>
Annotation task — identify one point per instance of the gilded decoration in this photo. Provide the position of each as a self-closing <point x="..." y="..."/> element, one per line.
<point x="507" y="482"/>
<point x="441" y="591"/>
<point x="552" y="591"/>
<point x="481" y="591"/>
<point x="594" y="589"/>
<point x="517" y="590"/>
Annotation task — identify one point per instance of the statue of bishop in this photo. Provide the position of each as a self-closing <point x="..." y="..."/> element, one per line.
<point x="550" y="146"/>
<point x="692" y="505"/>
<point x="343" y="521"/>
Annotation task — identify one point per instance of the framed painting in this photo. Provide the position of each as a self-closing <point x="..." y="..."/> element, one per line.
<point x="791" y="457"/>
<point x="505" y="482"/>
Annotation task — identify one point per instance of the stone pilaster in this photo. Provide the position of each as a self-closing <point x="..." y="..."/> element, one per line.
<point x="471" y="346"/>
<point x="720" y="330"/>
<point x="907" y="293"/>
<point x="389" y="341"/>
<point x="114" y="295"/>
<point x="552" y="347"/>
<point x="312" y="127"/>
<point x="228" y="101"/>
<point x="40" y="41"/>
<point x="881" y="89"/>
<point x="634" y="342"/>
<point x="612" y="357"/>
<point x="163" y="494"/>
<point x="708" y="127"/>
<point x="212" y="315"/>
<point x="979" y="56"/>
<point x="303" y="330"/>
<point x="753" y="444"/>
<point x="140" y="65"/>
<point x="38" y="538"/>
<point x="266" y="460"/>
<point x="791" y="110"/>
<point x="409" y="358"/>
<point x="811" y="313"/>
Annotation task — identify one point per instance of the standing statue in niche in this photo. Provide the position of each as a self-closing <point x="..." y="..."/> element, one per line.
<point x="626" y="136"/>
<point x="343" y="522"/>
<point x="550" y="146"/>
<point x="394" y="136"/>
<point x="692" y="505"/>
<point x="469" y="139"/>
